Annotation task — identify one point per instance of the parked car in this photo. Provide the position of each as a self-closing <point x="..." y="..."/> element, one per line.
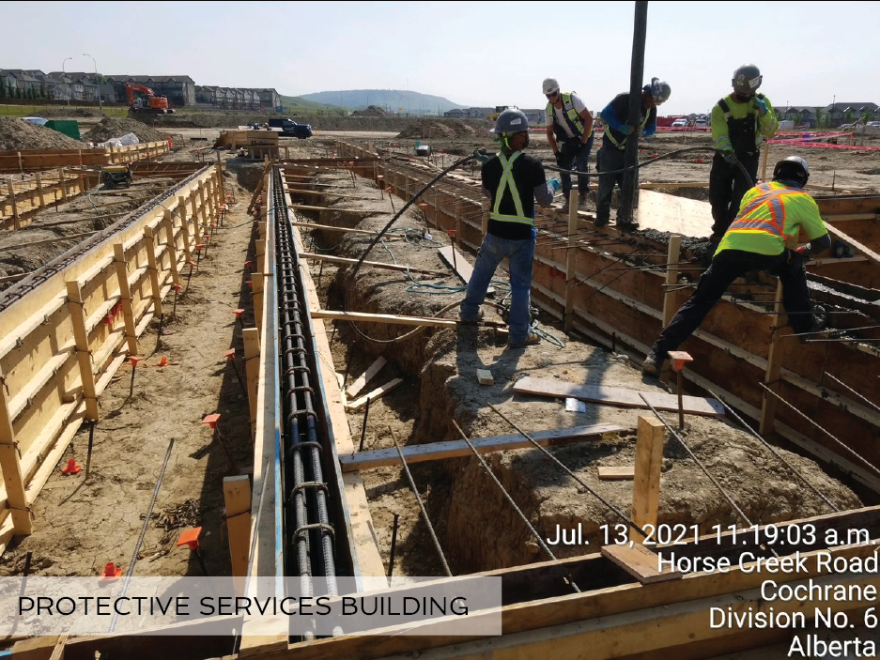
<point x="680" y="123"/>
<point x="873" y="124"/>
<point x="701" y="123"/>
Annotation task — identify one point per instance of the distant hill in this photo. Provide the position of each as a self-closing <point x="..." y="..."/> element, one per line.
<point x="391" y="100"/>
<point x="297" y="104"/>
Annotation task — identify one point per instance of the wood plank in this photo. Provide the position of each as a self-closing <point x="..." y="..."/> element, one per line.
<point x="252" y="367"/>
<point x="376" y="264"/>
<point x="460" y="265"/>
<point x="457" y="448"/>
<point x="308" y="207"/>
<point x="10" y="463"/>
<point x="646" y="486"/>
<point x="83" y="350"/>
<point x="153" y="267"/>
<point x="774" y="366"/>
<point x="375" y="394"/>
<point x="359" y="384"/>
<point x="671" y="213"/>
<point x="866" y="251"/>
<point x="571" y="261"/>
<point x="237" y="497"/>
<point x="616" y="396"/>
<point x="613" y="473"/>
<point x="385" y="318"/>
<point x="125" y="297"/>
<point x="640" y="562"/>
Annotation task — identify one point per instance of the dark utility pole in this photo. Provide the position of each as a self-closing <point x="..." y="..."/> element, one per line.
<point x="637" y="75"/>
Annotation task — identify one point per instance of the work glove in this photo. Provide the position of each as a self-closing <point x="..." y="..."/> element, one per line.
<point x="626" y="129"/>
<point x="482" y="156"/>
<point x="729" y="156"/>
<point x="582" y="147"/>
<point x="555" y="185"/>
<point x="804" y="251"/>
<point x="761" y="104"/>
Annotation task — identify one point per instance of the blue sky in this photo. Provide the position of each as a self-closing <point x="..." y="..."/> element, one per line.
<point x="473" y="53"/>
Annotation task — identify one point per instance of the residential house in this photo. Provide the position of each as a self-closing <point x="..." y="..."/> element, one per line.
<point x="179" y="90"/>
<point x="237" y="98"/>
<point x="801" y="115"/>
<point x="20" y="82"/>
<point x="847" y="113"/>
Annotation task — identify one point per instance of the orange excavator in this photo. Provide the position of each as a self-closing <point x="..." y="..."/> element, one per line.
<point x="146" y="103"/>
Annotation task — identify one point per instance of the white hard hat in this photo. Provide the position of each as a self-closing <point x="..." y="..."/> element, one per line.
<point x="550" y="86"/>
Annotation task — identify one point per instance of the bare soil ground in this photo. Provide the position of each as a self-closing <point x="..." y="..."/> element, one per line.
<point x="81" y="525"/>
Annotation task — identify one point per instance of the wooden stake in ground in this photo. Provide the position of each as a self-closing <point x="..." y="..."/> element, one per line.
<point x="237" y="494"/>
<point x="646" y="486"/>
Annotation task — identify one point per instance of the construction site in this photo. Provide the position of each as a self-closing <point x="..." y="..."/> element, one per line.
<point x="243" y="357"/>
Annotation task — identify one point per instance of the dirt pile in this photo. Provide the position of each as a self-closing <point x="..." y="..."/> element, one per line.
<point x="17" y="135"/>
<point x="113" y="127"/>
<point x="436" y="128"/>
<point x="370" y="111"/>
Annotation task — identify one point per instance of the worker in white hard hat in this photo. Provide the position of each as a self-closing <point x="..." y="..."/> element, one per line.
<point x="610" y="157"/>
<point x="741" y="121"/>
<point x="763" y="236"/>
<point x="570" y="133"/>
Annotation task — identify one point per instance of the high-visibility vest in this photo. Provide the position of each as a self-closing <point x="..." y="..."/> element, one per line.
<point x="622" y="144"/>
<point x="508" y="183"/>
<point x="575" y="123"/>
<point x="760" y="226"/>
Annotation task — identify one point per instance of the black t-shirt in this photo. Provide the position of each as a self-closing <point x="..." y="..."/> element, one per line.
<point x="620" y="105"/>
<point x="528" y="173"/>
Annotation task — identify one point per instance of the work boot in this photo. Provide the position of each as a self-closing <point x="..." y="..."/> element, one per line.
<point x="564" y="208"/>
<point x="530" y="340"/>
<point x="582" y="201"/>
<point x="653" y="363"/>
<point x="601" y="222"/>
<point x="480" y="315"/>
<point x="627" y="225"/>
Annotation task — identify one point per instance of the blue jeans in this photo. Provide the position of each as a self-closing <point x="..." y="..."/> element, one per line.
<point x="521" y="255"/>
<point x="575" y="156"/>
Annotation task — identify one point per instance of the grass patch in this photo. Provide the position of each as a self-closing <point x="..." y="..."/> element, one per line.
<point x="31" y="110"/>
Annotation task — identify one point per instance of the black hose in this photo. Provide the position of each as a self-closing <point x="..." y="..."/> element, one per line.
<point x="650" y="161"/>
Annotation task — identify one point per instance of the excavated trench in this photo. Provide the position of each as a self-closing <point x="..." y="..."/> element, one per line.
<point x="477" y="527"/>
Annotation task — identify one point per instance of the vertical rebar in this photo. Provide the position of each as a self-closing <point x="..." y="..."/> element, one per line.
<point x="364" y="425"/>
<point x="393" y="545"/>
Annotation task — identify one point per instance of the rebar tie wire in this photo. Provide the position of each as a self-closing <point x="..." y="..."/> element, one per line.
<point x="826" y="432"/>
<point x="577" y="479"/>
<point x="841" y="383"/>
<point x="507" y="496"/>
<point x="772" y="450"/>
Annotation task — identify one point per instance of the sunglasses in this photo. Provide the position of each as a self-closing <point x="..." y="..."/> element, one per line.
<point x="550" y="96"/>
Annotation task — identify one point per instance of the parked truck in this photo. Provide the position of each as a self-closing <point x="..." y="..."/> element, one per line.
<point x="289" y="127"/>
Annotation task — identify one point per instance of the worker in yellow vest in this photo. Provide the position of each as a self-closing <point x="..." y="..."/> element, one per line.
<point x="570" y="133"/>
<point x="763" y="236"/>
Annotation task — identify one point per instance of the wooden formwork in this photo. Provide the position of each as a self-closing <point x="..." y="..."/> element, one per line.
<point x="623" y="302"/>
<point x="66" y="329"/>
<point x="50" y="159"/>
<point x="22" y="196"/>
